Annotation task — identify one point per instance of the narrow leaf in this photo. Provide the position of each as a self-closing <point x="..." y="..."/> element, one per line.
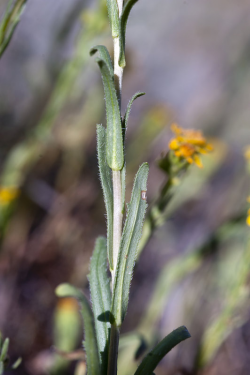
<point x="113" y="17"/>
<point x="107" y="187"/>
<point x="4" y="350"/>
<point x="9" y="23"/>
<point x="150" y="362"/>
<point x="90" y="344"/>
<point x="129" y="244"/>
<point x="105" y="56"/>
<point x="122" y="33"/>
<point x="114" y="143"/>
<point x="101" y="299"/>
<point x="125" y="119"/>
<point x="17" y="363"/>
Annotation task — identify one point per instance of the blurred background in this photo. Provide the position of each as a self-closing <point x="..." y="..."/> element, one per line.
<point x="192" y="58"/>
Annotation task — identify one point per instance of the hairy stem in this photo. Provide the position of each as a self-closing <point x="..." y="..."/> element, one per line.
<point x="117" y="187"/>
<point x="117" y="218"/>
<point x="120" y="6"/>
<point x="117" y="210"/>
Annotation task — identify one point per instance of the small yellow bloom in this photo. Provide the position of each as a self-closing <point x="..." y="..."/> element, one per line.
<point x="8" y="194"/>
<point x="248" y="213"/>
<point x="247" y="153"/>
<point x="248" y="220"/>
<point x="189" y="144"/>
<point x="68" y="304"/>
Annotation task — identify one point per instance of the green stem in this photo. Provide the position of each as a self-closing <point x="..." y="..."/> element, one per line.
<point x="117" y="209"/>
<point x="117" y="219"/>
<point x="113" y="350"/>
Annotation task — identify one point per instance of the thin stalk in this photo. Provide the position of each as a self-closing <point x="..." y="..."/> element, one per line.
<point x="117" y="211"/>
<point x="117" y="218"/>
<point x="113" y="350"/>
<point x="117" y="187"/>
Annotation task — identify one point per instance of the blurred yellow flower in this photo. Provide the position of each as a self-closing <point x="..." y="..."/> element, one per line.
<point x="8" y="194"/>
<point x="248" y="213"/>
<point x="189" y="144"/>
<point x="68" y="304"/>
<point x="247" y="153"/>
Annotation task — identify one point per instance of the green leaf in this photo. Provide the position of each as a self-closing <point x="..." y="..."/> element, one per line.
<point x="129" y="244"/>
<point x="4" y="350"/>
<point x="107" y="187"/>
<point x="17" y="363"/>
<point x="113" y="13"/>
<point x="1" y="368"/>
<point x="125" y="119"/>
<point x="101" y="299"/>
<point x="114" y="143"/>
<point x="152" y="359"/>
<point x="90" y="343"/>
<point x="9" y="23"/>
<point x="105" y="56"/>
<point x="122" y="33"/>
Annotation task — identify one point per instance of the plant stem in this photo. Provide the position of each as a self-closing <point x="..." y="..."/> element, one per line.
<point x="113" y="350"/>
<point x="118" y="71"/>
<point x="117" y="187"/>
<point x="117" y="210"/>
<point x="117" y="218"/>
<point x="120" y="6"/>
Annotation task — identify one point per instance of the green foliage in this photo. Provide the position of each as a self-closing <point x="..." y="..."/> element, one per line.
<point x="10" y="22"/>
<point x="107" y="187"/>
<point x="126" y="116"/>
<point x="129" y="243"/>
<point x="4" y="358"/>
<point x="4" y="350"/>
<point x="110" y="306"/>
<point x="90" y="342"/>
<point x="114" y="143"/>
<point x="101" y="299"/>
<point x="231" y="275"/>
<point x="113" y="17"/>
<point x="122" y="32"/>
<point x="105" y="56"/>
<point x="150" y="362"/>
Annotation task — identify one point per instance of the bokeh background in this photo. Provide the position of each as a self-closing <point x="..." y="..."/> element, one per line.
<point x="192" y="58"/>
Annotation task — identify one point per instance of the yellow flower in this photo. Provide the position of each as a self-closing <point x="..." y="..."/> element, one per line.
<point x="247" y="153"/>
<point x="68" y="304"/>
<point x="189" y="144"/>
<point x="248" y="213"/>
<point x="8" y="194"/>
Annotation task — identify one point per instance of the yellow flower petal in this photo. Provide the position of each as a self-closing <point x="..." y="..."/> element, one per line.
<point x="247" y="153"/>
<point x="198" y="161"/>
<point x="189" y="160"/>
<point x="188" y="144"/>
<point x="174" y="144"/>
<point x="248" y="221"/>
<point x="8" y="194"/>
<point x="176" y="129"/>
